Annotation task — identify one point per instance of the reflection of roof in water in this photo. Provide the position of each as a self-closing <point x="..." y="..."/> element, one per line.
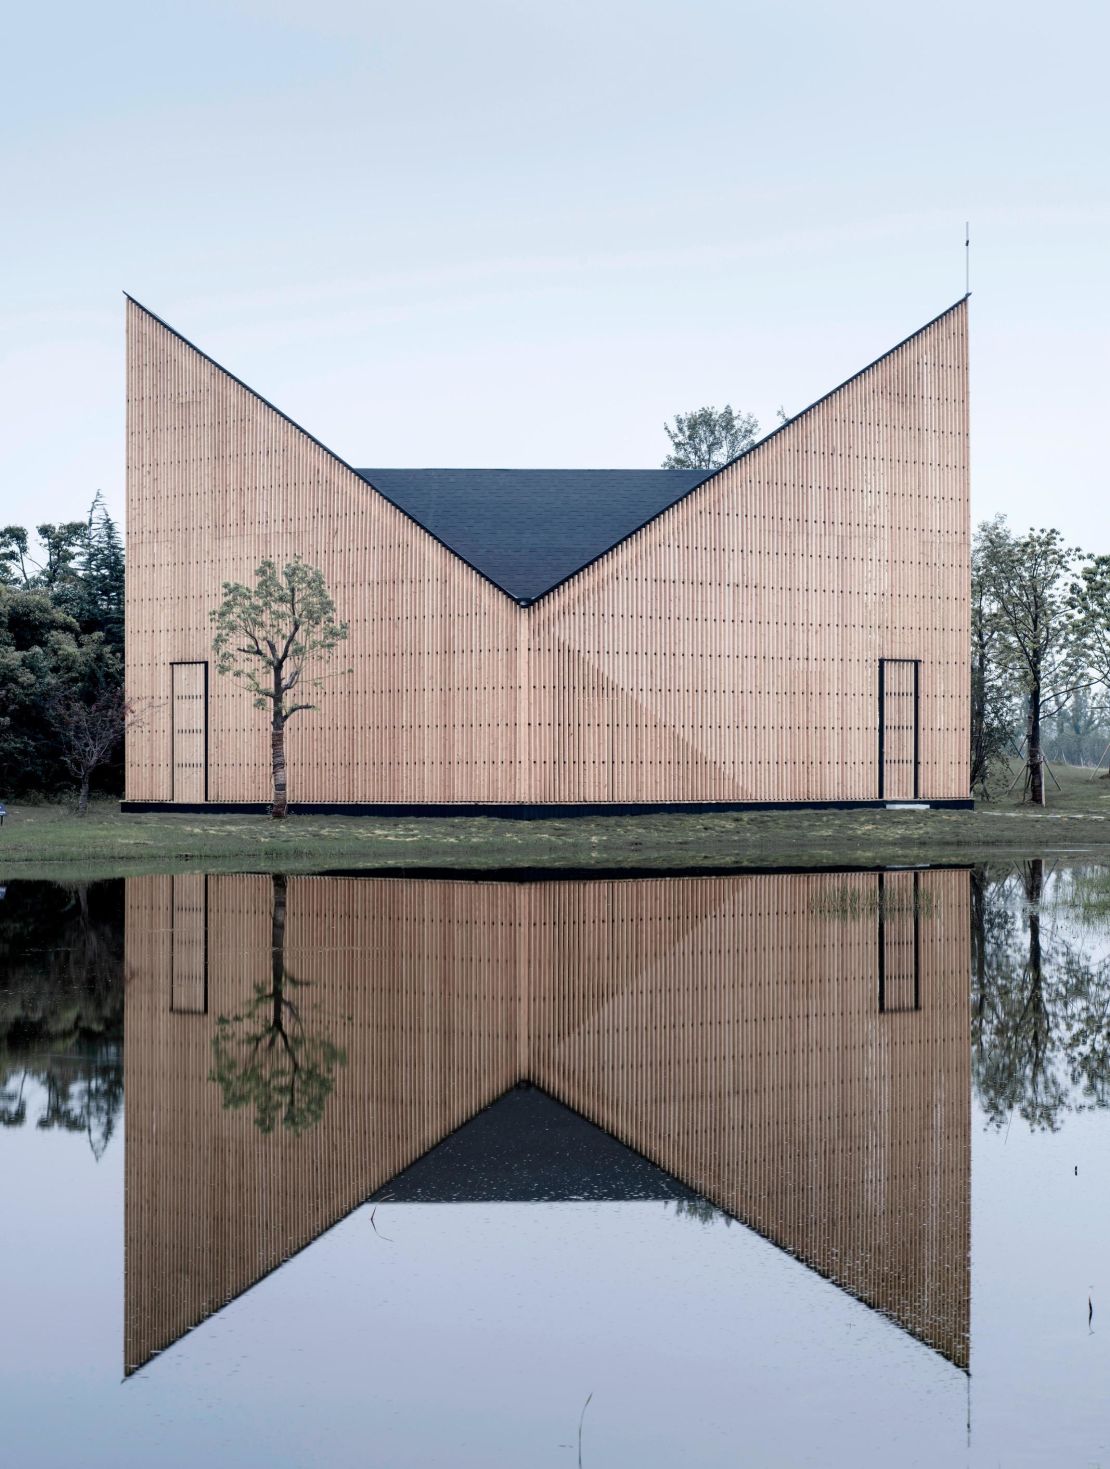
<point x="528" y="1148"/>
<point x="791" y="1058"/>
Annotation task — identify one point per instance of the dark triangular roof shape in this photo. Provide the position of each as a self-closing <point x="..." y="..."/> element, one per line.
<point x="530" y="530"/>
<point x="528" y="1148"/>
<point x="527" y="530"/>
<point x="536" y="528"/>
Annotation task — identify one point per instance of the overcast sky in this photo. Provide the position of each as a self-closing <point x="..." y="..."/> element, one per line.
<point x="517" y="234"/>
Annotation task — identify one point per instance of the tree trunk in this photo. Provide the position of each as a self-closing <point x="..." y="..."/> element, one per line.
<point x="277" y="946"/>
<point x="280" y="807"/>
<point x="1036" y="754"/>
<point x="1037" y="1009"/>
<point x="83" y="797"/>
<point x="1034" y="892"/>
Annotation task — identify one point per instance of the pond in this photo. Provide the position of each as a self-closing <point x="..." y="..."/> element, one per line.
<point x="773" y="1169"/>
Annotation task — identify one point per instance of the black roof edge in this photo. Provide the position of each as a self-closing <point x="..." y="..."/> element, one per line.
<point x="532" y="601"/>
<point x="524" y="1078"/>
<point x="759" y="443"/>
<point x="314" y="440"/>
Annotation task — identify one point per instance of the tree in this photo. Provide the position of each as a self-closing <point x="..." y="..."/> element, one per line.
<point x="274" y="637"/>
<point x="61" y="1007"/>
<point x="89" y="1101"/>
<point x="100" y="569"/>
<point x="1027" y="583"/>
<point x="263" y="1057"/>
<point x="709" y="437"/>
<point x="87" y="733"/>
<point x="1080" y="731"/>
<point x="990" y="726"/>
<point x="61" y="638"/>
<point x="1091" y="598"/>
<point x="44" y="657"/>
<point x="1041" y="999"/>
<point x="16" y="568"/>
<point x="61" y="547"/>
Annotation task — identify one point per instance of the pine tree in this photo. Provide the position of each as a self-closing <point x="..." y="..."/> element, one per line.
<point x="102" y="575"/>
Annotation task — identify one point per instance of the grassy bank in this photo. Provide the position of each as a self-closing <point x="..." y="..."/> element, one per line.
<point x="50" y="841"/>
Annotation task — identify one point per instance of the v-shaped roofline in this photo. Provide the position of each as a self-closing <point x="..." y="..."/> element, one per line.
<point x="546" y="1089"/>
<point x="526" y="602"/>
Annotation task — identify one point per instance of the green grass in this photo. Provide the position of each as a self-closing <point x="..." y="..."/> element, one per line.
<point x="50" y="841"/>
<point x="1091" y="895"/>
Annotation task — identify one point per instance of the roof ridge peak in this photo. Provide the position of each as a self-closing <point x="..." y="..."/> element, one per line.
<point x="509" y="542"/>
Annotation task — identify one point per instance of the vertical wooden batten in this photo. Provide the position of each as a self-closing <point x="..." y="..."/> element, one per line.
<point x="728" y="651"/>
<point x="732" y="1029"/>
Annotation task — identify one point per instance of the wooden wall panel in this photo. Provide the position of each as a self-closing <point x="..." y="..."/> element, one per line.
<point x="749" y="1057"/>
<point x="218" y="481"/>
<point x="189" y="942"/>
<point x="726" y="652"/>
<point x="418" y="983"/>
<point x="727" y="1028"/>
<point x="751" y="617"/>
<point x="189" y="737"/>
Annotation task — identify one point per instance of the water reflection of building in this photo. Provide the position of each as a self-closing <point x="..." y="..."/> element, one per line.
<point x="794" y="1047"/>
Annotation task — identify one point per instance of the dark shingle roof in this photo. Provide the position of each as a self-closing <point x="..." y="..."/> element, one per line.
<point x="527" y="530"/>
<point x="527" y="1147"/>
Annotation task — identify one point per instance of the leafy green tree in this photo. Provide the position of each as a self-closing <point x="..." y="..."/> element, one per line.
<point x="55" y="567"/>
<point x="707" y="438"/>
<point x="61" y="643"/>
<point x="264" y="1058"/>
<point x="1079" y="733"/>
<point x="16" y="568"/>
<point x="44" y="658"/>
<point x="1092" y="608"/>
<point x="990" y="711"/>
<point x="79" y="564"/>
<point x="276" y="637"/>
<point x="1027" y="584"/>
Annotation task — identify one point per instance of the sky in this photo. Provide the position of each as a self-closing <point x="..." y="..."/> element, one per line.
<point x="513" y="234"/>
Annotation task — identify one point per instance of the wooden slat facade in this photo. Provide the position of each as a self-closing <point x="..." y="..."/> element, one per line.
<point x="728" y="1028"/>
<point x="189" y="731"/>
<point x="729" y="651"/>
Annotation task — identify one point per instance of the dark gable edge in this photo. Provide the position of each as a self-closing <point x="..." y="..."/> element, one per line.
<point x="713" y="473"/>
<point x="292" y="422"/>
<point x="529" y="529"/>
<point x="533" y="601"/>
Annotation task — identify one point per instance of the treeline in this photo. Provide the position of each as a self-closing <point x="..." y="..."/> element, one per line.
<point x="62" y="708"/>
<point x="1040" y="999"/>
<point x="61" y="1008"/>
<point x="1040" y="992"/>
<point x="1040" y="655"/>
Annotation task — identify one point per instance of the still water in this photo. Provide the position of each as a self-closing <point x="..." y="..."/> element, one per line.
<point x="783" y="1169"/>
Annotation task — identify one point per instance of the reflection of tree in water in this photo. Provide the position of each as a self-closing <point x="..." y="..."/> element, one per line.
<point x="1041" y="1000"/>
<point x="13" y="1104"/>
<point x="89" y="1101"/>
<point x="83" y="1093"/>
<point x="695" y="1207"/>
<point x="264" y="1058"/>
<point x="61" y="1006"/>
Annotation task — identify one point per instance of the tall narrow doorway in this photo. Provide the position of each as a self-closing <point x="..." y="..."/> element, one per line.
<point x="189" y="756"/>
<point x="899" y="734"/>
